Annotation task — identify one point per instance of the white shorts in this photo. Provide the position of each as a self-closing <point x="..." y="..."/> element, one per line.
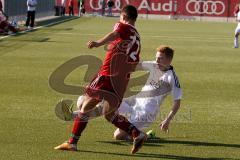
<point x="142" y="114"/>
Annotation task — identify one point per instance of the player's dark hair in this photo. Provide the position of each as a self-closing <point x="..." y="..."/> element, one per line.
<point x="168" y="51"/>
<point x="130" y="11"/>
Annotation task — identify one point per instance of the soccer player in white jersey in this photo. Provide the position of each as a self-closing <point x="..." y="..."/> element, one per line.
<point x="142" y="109"/>
<point x="237" y="30"/>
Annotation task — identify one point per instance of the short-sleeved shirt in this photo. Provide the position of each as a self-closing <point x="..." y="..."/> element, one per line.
<point x="158" y="77"/>
<point x="142" y="109"/>
<point x="31" y="2"/>
<point x="128" y="43"/>
<point x="123" y="53"/>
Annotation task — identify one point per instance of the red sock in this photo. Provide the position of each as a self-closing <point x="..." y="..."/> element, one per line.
<point x="121" y="122"/>
<point x="80" y="123"/>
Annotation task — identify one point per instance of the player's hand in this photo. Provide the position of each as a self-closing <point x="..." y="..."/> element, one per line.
<point x="164" y="125"/>
<point x="92" y="44"/>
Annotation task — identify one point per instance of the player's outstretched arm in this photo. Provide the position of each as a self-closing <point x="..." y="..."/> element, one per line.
<point x="164" y="125"/>
<point x="107" y="38"/>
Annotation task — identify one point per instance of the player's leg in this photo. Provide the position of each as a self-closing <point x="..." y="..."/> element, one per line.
<point x="141" y="114"/>
<point x="28" y="18"/>
<point x="122" y="123"/>
<point x="64" y="110"/>
<point x="2" y="27"/>
<point x="93" y="113"/>
<point x="80" y="123"/>
<point x="124" y="109"/>
<point x="32" y="19"/>
<point x="80" y="11"/>
<point x="61" y="11"/>
<point x="237" y="31"/>
<point x="122" y="135"/>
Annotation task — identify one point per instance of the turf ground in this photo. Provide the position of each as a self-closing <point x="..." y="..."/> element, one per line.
<point x="206" y="127"/>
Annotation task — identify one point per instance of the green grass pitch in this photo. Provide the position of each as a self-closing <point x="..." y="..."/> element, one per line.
<point x="206" y="127"/>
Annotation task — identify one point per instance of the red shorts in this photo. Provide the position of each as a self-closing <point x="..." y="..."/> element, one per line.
<point x="102" y="82"/>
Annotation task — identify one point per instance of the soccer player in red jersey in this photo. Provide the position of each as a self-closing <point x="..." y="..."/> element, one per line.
<point x="111" y="81"/>
<point x="5" y="26"/>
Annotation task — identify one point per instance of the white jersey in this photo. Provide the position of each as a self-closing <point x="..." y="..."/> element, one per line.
<point x="237" y="30"/>
<point x="33" y="4"/>
<point x="143" y="108"/>
<point x="157" y="78"/>
<point x="238" y="17"/>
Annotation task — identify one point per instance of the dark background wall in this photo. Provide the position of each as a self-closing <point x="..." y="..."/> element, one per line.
<point x="19" y="7"/>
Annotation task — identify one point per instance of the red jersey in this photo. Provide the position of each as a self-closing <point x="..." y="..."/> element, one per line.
<point x="128" y="43"/>
<point x="236" y="10"/>
<point x="1" y="5"/>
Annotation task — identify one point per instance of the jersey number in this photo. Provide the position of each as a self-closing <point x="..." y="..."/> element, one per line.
<point x="134" y="53"/>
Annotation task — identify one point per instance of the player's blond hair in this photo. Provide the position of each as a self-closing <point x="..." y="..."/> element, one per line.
<point x="168" y="51"/>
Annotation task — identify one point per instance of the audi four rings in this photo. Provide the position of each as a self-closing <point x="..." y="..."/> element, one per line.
<point x="205" y="7"/>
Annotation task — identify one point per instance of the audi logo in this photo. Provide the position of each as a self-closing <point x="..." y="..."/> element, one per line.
<point x="98" y="5"/>
<point x="205" y="7"/>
